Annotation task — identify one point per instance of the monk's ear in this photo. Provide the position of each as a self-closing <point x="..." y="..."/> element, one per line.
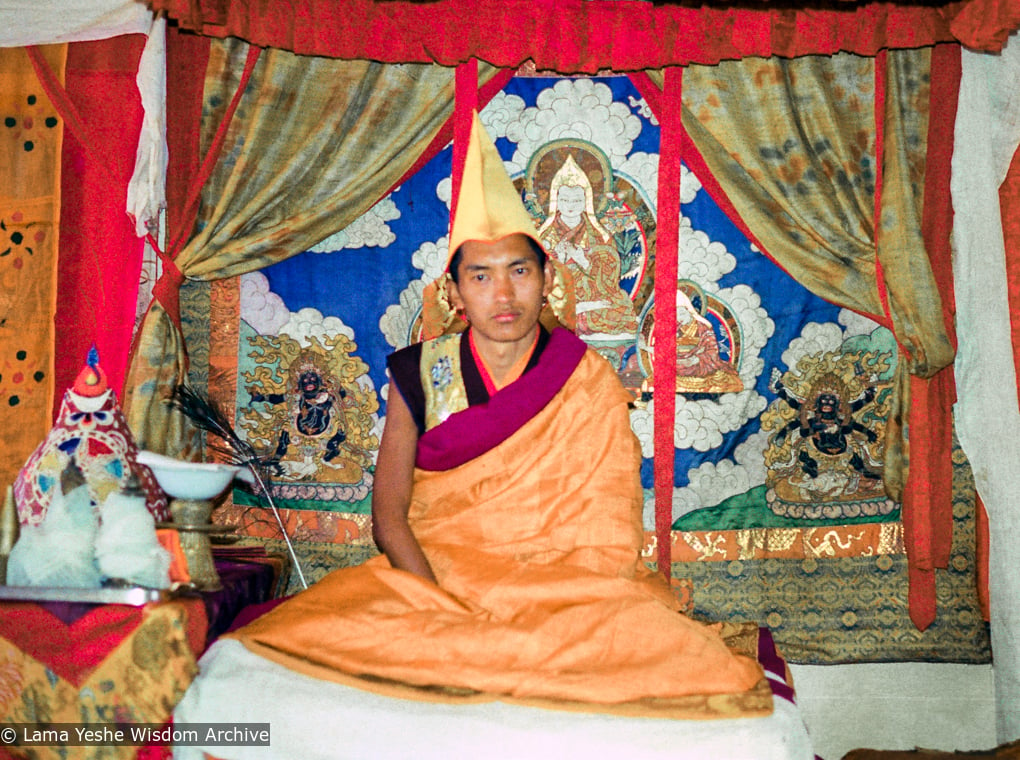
<point x="454" y="293"/>
<point x="549" y="277"/>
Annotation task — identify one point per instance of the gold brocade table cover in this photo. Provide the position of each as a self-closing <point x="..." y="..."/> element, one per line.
<point x="115" y="664"/>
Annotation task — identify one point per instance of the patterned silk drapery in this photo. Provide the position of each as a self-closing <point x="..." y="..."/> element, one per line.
<point x="314" y="143"/>
<point x="793" y="143"/>
<point x="30" y="150"/>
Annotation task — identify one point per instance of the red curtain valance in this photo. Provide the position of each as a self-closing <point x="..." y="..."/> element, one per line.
<point x="586" y="36"/>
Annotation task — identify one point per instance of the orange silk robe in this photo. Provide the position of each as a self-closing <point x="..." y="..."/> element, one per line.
<point x="542" y="592"/>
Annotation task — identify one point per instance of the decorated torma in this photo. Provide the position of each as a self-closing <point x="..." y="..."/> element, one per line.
<point x="91" y="432"/>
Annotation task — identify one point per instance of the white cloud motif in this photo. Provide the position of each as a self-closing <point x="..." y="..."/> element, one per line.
<point x="444" y="191"/>
<point x="756" y="328"/>
<point x="701" y="423"/>
<point x="261" y="308"/>
<point x="643" y="425"/>
<point x="395" y="324"/>
<point x="641" y="106"/>
<point x="815" y="339"/>
<point x="642" y="169"/>
<point x="713" y="482"/>
<point x="430" y="258"/>
<point x="581" y="109"/>
<point x="700" y="258"/>
<point x="500" y="112"/>
<point x="307" y="323"/>
<point x="855" y="324"/>
<point x="368" y="230"/>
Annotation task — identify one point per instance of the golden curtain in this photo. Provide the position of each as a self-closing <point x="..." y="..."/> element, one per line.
<point x="314" y="143"/>
<point x="30" y="146"/>
<point x="794" y="143"/>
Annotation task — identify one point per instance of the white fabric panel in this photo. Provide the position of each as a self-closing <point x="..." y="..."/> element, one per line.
<point x="146" y="194"/>
<point x="987" y="412"/>
<point x="311" y="719"/>
<point x="41" y="22"/>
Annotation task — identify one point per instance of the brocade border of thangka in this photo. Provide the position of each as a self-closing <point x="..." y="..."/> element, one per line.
<point x="823" y="542"/>
<point x="841" y="609"/>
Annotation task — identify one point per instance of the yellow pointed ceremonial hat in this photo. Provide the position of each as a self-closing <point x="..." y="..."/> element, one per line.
<point x="489" y="207"/>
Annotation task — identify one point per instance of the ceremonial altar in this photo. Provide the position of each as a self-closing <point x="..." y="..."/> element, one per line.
<point x="110" y="664"/>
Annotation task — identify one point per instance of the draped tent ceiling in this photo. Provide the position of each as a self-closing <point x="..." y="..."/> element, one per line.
<point x="585" y="36"/>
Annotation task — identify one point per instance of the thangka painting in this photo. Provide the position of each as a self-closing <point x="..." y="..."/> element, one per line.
<point x="781" y="397"/>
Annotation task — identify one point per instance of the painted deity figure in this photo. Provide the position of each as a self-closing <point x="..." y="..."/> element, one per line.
<point x="312" y="445"/>
<point x="573" y="235"/>
<point x="699" y="368"/>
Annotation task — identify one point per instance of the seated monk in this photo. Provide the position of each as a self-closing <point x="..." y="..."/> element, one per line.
<point x="507" y="505"/>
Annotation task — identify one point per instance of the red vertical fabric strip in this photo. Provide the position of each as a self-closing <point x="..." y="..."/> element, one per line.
<point x="916" y="512"/>
<point x="100" y="254"/>
<point x="187" y="56"/>
<point x="664" y="330"/>
<point x="212" y="155"/>
<point x="464" y="106"/>
<point x="937" y="227"/>
<point x="928" y="497"/>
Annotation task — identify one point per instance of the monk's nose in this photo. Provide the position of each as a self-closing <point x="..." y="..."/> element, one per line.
<point x="504" y="289"/>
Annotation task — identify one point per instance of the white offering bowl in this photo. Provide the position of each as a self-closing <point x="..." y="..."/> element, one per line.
<point x="192" y="486"/>
<point x="189" y="480"/>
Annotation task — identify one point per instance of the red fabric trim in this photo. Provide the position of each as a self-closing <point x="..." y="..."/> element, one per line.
<point x="937" y="227"/>
<point x="1009" y="203"/>
<point x="71" y="651"/>
<point x="100" y="254"/>
<point x="928" y="495"/>
<point x="167" y="290"/>
<point x="213" y="154"/>
<point x="57" y="93"/>
<point x="187" y="56"/>
<point x="937" y="219"/>
<point x="984" y="24"/>
<point x="568" y="36"/>
<point x="664" y="329"/>
<point x="465" y="103"/>
<point x="477" y="429"/>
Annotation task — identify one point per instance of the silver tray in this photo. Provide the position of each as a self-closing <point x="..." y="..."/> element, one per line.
<point x="135" y="596"/>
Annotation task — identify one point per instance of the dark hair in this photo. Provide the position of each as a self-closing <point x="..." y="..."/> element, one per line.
<point x="540" y="254"/>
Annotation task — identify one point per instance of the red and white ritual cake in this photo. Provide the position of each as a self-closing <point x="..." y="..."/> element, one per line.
<point x="90" y="430"/>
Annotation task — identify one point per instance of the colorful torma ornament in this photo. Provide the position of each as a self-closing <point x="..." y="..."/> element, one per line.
<point x="91" y="431"/>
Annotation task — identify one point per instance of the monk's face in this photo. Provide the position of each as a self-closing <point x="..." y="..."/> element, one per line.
<point x="501" y="288"/>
